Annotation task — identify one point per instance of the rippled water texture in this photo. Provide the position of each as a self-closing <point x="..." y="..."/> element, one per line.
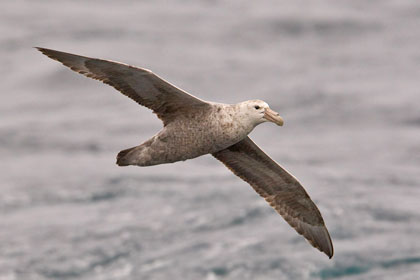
<point x="343" y="74"/>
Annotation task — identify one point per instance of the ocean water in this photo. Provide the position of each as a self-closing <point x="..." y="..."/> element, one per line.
<point x="345" y="75"/>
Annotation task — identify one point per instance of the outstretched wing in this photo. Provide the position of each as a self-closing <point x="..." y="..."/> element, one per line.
<point x="139" y="84"/>
<point x="280" y="189"/>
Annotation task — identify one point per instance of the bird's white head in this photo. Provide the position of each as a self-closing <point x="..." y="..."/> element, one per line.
<point x="258" y="112"/>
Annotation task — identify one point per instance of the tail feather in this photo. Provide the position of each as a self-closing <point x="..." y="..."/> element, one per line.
<point x="123" y="159"/>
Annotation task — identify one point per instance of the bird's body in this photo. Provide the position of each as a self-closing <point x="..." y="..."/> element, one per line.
<point x="202" y="130"/>
<point x="193" y="127"/>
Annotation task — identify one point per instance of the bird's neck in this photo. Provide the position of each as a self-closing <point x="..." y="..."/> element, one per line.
<point x="242" y="119"/>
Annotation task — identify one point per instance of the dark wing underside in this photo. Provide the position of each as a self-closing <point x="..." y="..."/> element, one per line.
<point x="141" y="85"/>
<point x="280" y="189"/>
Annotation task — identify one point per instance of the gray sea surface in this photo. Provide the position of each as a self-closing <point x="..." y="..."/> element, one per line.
<point x="345" y="75"/>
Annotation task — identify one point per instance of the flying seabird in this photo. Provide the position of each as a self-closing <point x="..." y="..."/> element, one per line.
<point x="193" y="127"/>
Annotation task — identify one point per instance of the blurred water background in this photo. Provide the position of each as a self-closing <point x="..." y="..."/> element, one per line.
<point x="344" y="75"/>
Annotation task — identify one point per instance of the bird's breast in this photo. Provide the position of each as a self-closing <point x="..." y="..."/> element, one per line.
<point x="224" y="128"/>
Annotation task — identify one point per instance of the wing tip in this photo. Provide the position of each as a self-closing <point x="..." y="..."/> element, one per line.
<point x="41" y="49"/>
<point x="48" y="52"/>
<point x="329" y="253"/>
<point x="322" y="241"/>
<point x="317" y="235"/>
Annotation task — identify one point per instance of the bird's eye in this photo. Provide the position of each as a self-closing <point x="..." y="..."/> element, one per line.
<point x="257" y="107"/>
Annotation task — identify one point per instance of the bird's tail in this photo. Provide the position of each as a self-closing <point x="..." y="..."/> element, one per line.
<point x="123" y="157"/>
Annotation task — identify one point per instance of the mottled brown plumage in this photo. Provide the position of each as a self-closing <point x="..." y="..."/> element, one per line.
<point x="193" y="127"/>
